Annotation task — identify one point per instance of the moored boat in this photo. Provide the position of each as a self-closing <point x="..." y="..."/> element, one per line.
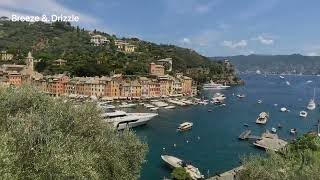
<point x="303" y="114"/>
<point x="175" y="162"/>
<point x="262" y="118"/>
<point x="185" y="126"/>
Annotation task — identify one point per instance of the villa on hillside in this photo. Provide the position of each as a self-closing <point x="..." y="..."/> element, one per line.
<point x="98" y="40"/>
<point x="124" y="46"/>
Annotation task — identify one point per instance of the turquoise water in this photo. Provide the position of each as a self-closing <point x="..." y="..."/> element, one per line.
<point x="212" y="144"/>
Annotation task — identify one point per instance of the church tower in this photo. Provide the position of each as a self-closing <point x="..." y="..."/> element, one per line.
<point x="29" y="62"/>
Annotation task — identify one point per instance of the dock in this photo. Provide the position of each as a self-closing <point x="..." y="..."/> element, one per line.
<point x="245" y="135"/>
<point x="233" y="174"/>
<point x="270" y="141"/>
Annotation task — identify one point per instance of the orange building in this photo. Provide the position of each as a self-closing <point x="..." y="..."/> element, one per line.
<point x="56" y="84"/>
<point x="186" y="85"/>
<point x="156" y="70"/>
<point x="14" y="78"/>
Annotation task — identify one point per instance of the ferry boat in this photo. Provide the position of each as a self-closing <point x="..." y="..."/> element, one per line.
<point x="122" y="120"/>
<point x="214" y="86"/>
<point x="263" y="118"/>
<point x="303" y="114"/>
<point x="185" y="126"/>
<point x="175" y="162"/>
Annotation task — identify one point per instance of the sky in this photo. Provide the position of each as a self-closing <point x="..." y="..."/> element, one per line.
<point x="211" y="27"/>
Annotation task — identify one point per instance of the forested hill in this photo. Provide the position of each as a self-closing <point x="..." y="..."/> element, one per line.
<point x="294" y="64"/>
<point x="49" y="42"/>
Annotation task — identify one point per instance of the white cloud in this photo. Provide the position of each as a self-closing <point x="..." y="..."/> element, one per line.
<point x="235" y="45"/>
<point x="264" y="40"/>
<point x="186" y="41"/>
<point x="40" y="7"/>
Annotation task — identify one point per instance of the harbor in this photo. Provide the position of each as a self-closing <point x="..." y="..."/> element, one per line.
<point x="213" y="144"/>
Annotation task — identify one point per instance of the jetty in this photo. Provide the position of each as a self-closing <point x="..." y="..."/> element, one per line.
<point x="270" y="141"/>
<point x="233" y="174"/>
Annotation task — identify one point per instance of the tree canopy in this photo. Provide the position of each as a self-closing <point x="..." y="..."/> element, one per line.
<point x="46" y="138"/>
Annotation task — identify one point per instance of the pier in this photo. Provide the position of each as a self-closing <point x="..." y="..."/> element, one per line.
<point x="233" y="174"/>
<point x="270" y="141"/>
<point x="244" y="135"/>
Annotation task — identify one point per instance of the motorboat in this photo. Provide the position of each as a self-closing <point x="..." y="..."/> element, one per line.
<point x="274" y="130"/>
<point x="309" y="81"/>
<point x="259" y="101"/>
<point x="284" y="109"/>
<point x="312" y="105"/>
<point x="293" y="131"/>
<point x="241" y="96"/>
<point x="170" y="107"/>
<point x="185" y="126"/>
<point x="303" y="114"/>
<point x="288" y="83"/>
<point x="175" y="162"/>
<point x="127" y="105"/>
<point x="262" y="118"/>
<point x="122" y="119"/>
<point x="281" y="77"/>
<point x="148" y="105"/>
<point x="154" y="108"/>
<point x="214" y="86"/>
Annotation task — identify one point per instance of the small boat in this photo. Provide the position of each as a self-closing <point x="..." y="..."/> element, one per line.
<point x="209" y="110"/>
<point x="279" y="126"/>
<point x="274" y="130"/>
<point x="293" y="131"/>
<point x="282" y="77"/>
<point x="175" y="162"/>
<point x="185" y="126"/>
<point x="312" y="105"/>
<point x="154" y="108"/>
<point x="288" y="83"/>
<point x="241" y="96"/>
<point x="259" y="101"/>
<point x="262" y="118"/>
<point x="170" y="107"/>
<point x="283" y="109"/>
<point x="303" y="114"/>
<point x="309" y="81"/>
<point x="246" y="125"/>
<point x="126" y="105"/>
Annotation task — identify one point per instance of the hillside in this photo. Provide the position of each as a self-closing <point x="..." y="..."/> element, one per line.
<point x="49" y="42"/>
<point x="278" y="64"/>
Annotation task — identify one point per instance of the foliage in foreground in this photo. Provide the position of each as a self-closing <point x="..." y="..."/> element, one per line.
<point x="46" y="138"/>
<point x="180" y="174"/>
<point x="299" y="161"/>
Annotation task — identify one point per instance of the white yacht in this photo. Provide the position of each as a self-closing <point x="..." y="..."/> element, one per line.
<point x="312" y="104"/>
<point x="303" y="114"/>
<point x="185" y="126"/>
<point x="127" y="105"/>
<point x="122" y="120"/>
<point x="263" y="118"/>
<point x="214" y="86"/>
<point x="175" y="162"/>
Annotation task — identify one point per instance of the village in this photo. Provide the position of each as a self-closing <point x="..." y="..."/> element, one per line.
<point x="116" y="86"/>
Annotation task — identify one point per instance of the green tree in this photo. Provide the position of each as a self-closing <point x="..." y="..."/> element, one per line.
<point x="46" y="138"/>
<point x="180" y="174"/>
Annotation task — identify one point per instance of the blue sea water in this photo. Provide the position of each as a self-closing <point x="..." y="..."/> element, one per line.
<point x="212" y="145"/>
